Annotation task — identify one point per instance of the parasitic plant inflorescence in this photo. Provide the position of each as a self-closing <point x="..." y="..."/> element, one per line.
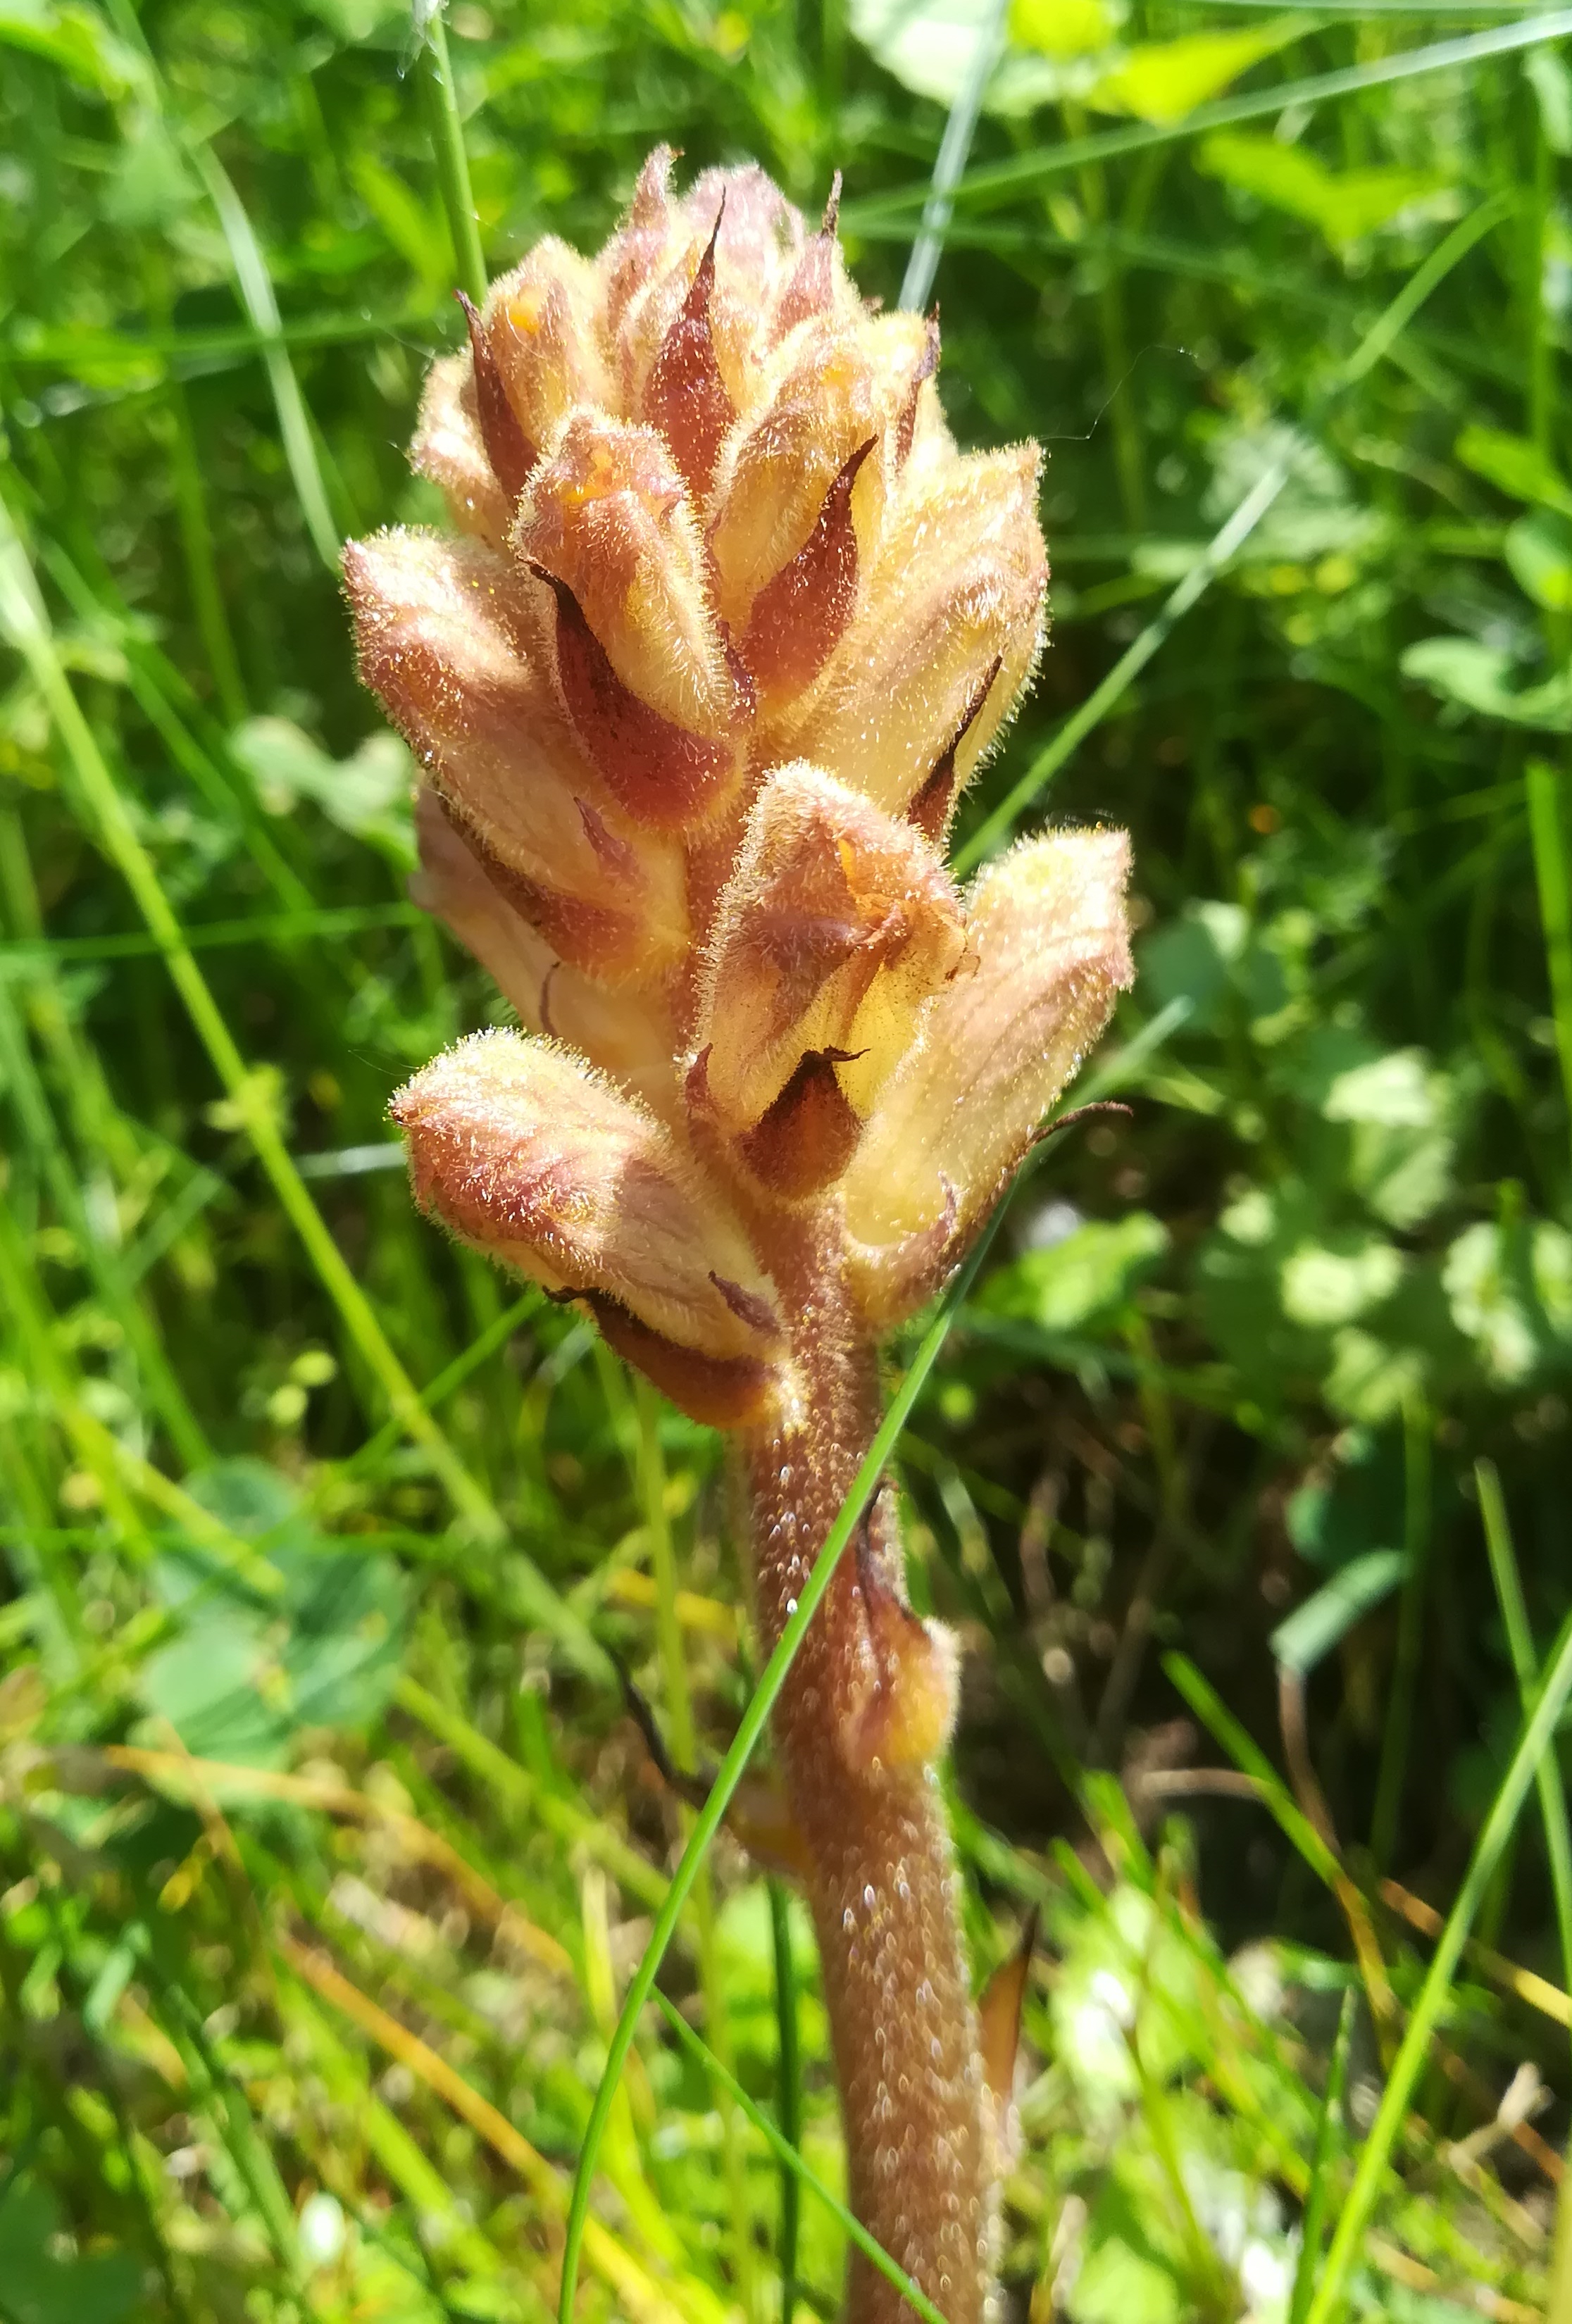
<point x="727" y="626"/>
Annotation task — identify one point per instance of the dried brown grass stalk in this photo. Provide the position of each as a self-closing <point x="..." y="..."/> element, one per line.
<point x="728" y="625"/>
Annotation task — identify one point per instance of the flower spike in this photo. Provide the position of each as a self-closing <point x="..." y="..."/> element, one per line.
<point x="730" y="625"/>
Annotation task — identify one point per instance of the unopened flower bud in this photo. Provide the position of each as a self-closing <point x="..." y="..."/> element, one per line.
<point x="958" y="594"/>
<point x="837" y="926"/>
<point x="659" y="704"/>
<point x="447" y="448"/>
<point x="822" y="407"/>
<point x="524" y="1153"/>
<point x="540" y="328"/>
<point x="625" y="1034"/>
<point x="694" y="286"/>
<point x="439" y="624"/>
<point x="1048" y="931"/>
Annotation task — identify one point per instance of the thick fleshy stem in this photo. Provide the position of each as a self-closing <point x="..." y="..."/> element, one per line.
<point x="881" y="1883"/>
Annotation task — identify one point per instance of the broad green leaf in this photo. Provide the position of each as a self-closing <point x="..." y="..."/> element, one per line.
<point x="1314" y="1628"/>
<point x="928" y="45"/>
<point x="152" y="183"/>
<point x="366" y="795"/>
<point x="242" y="1678"/>
<point x="1352" y="1503"/>
<point x="1064" y="29"/>
<point x="1325" y="1283"/>
<point x="1394" y="1090"/>
<point x="1370" y="1378"/>
<point x="1514" y="466"/>
<point x="1539" y="550"/>
<point x="1191" y="959"/>
<point x="1160" y="82"/>
<point x="1546" y="72"/>
<point x="38" y="2288"/>
<point x="1132" y="2272"/>
<point x="1510" y="1286"/>
<point x="77" y="40"/>
<point x="1343" y="204"/>
<point x="1404" y="1175"/>
<point x="1083" y="1279"/>
<point x="1479" y="678"/>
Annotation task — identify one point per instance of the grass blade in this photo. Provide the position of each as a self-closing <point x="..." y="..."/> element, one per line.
<point x="951" y="159"/>
<point x="792" y="2161"/>
<point x="257" y="292"/>
<point x="1031" y="169"/>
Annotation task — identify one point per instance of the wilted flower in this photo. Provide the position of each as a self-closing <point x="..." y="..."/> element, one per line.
<point x="731" y="628"/>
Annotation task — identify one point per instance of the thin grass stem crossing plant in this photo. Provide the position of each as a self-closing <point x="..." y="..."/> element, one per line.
<point x="728" y="625"/>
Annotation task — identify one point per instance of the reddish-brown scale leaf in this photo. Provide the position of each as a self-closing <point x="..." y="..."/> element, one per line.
<point x="804" y="1140"/>
<point x="929" y="810"/>
<point x="720" y="1391"/>
<point x="747" y="1306"/>
<point x="812" y="286"/>
<point x="927" y="364"/>
<point x="619" y="859"/>
<point x="798" y="617"/>
<point x="760" y="1818"/>
<point x="665" y="776"/>
<point x="696" y="1086"/>
<point x="904" y="1719"/>
<point x="999" y="2015"/>
<point x="686" y="396"/>
<point x="544" y="1003"/>
<point x="507" y="448"/>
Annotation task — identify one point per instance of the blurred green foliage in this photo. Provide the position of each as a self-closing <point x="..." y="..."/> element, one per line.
<point x="1245" y="1353"/>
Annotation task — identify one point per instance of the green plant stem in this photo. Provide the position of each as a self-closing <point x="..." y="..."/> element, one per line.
<point x="751" y="1728"/>
<point x="1534" y="1740"/>
<point x="447" y="131"/>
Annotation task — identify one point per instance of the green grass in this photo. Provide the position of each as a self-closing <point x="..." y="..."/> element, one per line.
<point x="332" y="1871"/>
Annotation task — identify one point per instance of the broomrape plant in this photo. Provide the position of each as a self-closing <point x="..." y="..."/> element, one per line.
<point x="728" y="625"/>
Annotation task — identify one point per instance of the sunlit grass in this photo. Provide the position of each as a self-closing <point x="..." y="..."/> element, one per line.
<point x="328" y="1855"/>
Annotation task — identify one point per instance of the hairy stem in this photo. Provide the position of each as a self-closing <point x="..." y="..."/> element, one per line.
<point x="882" y="1881"/>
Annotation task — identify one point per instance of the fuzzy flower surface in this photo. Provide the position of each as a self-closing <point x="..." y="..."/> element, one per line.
<point x="726" y="625"/>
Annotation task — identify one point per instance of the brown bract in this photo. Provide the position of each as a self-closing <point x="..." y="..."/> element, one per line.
<point x="731" y="624"/>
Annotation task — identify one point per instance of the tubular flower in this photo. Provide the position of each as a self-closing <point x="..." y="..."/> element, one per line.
<point x="730" y="625"/>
